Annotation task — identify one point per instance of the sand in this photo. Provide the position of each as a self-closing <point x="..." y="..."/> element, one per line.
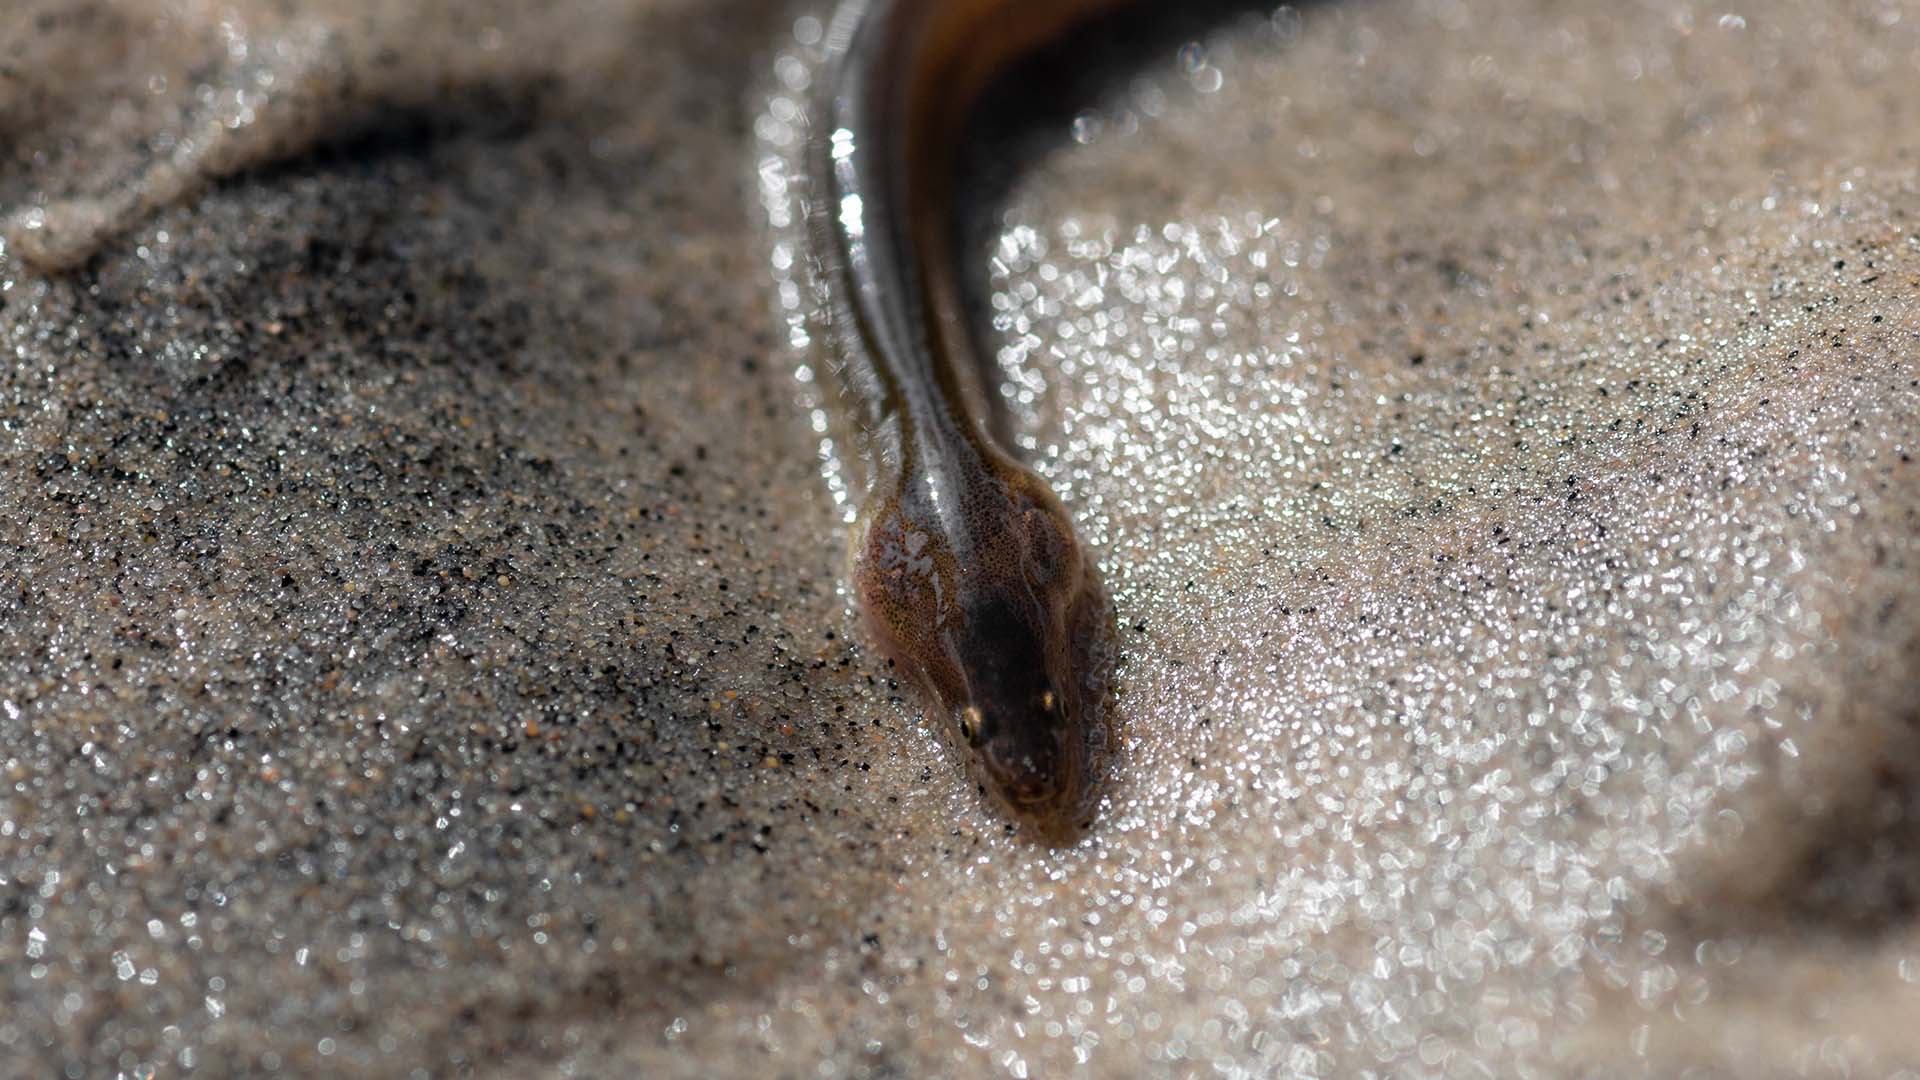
<point x="422" y="647"/>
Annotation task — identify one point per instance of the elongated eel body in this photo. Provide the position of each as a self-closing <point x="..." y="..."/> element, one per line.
<point x="964" y="564"/>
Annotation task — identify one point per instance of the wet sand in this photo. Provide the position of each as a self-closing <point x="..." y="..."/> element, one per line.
<point x="421" y="648"/>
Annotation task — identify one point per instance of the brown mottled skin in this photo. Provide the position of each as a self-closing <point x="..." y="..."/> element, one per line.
<point x="964" y="564"/>
<point x="984" y="614"/>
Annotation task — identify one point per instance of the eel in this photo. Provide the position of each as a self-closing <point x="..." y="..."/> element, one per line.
<point x="963" y="563"/>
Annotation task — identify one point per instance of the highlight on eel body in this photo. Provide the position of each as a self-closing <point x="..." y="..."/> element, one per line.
<point x="964" y="564"/>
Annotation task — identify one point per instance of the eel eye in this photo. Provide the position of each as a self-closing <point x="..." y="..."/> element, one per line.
<point x="969" y="722"/>
<point x="1047" y="701"/>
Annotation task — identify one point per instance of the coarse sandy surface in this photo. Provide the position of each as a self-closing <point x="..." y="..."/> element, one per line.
<point x="421" y="641"/>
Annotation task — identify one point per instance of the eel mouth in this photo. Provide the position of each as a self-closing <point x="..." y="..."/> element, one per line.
<point x="1039" y="784"/>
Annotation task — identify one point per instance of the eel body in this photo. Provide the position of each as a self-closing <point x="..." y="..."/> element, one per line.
<point x="963" y="563"/>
